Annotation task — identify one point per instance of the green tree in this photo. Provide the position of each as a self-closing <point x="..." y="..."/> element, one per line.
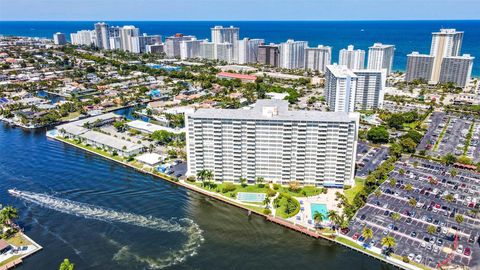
<point x="378" y="135"/>
<point x="243" y="182"/>
<point x="453" y="172"/>
<point x="260" y="181"/>
<point x="318" y="217"/>
<point x="459" y="218"/>
<point x="67" y="265"/>
<point x="408" y="145"/>
<point x="162" y="136"/>
<point x="431" y="229"/>
<point x="388" y="242"/>
<point x="408" y="187"/>
<point x="8" y="214"/>
<point x="412" y="202"/>
<point x="449" y="197"/>
<point x="449" y="159"/>
<point x="414" y="135"/>
<point x="392" y="182"/>
<point x="367" y="233"/>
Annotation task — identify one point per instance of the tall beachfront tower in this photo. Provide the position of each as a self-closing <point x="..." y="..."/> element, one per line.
<point x="380" y="56"/>
<point x="126" y="37"/>
<point x="270" y="141"/>
<point x="370" y="88"/>
<point x="102" y="35"/>
<point x="340" y="88"/>
<point x="222" y="34"/>
<point x="457" y="69"/>
<point x="59" y="38"/>
<point x="419" y="66"/>
<point x="318" y="58"/>
<point x="353" y="59"/>
<point x="292" y="54"/>
<point x="248" y="50"/>
<point x="447" y="42"/>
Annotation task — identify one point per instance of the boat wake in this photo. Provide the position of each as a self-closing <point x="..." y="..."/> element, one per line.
<point x="184" y="225"/>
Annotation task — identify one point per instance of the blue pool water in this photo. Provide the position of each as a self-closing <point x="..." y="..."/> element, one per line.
<point x="250" y="197"/>
<point x="319" y="207"/>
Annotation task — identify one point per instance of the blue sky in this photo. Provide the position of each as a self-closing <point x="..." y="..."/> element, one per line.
<point x="165" y="10"/>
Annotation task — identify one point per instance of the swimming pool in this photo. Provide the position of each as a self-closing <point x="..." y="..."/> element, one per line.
<point x="250" y="197"/>
<point x="321" y="208"/>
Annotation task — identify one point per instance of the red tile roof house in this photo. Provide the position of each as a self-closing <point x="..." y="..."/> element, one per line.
<point x="242" y="77"/>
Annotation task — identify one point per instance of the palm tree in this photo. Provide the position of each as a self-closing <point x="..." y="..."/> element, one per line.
<point x="209" y="175"/>
<point x="474" y="212"/>
<point x="388" y="242"/>
<point x="408" y="187"/>
<point x="449" y="197"/>
<point x="378" y="193"/>
<point x="8" y="214"/>
<point x="459" y="218"/>
<point x="453" y="172"/>
<point x="243" y="181"/>
<point x="431" y="229"/>
<point x="333" y="216"/>
<point x="318" y="217"/>
<point x="392" y="182"/>
<point x="67" y="265"/>
<point x="266" y="201"/>
<point x="412" y="202"/>
<point x="367" y="233"/>
<point x="395" y="218"/>
<point x="260" y="181"/>
<point x="401" y="171"/>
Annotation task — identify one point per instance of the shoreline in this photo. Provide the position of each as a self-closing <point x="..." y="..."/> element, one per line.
<point x="278" y="221"/>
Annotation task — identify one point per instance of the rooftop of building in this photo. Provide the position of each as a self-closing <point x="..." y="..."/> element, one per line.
<point x="274" y="109"/>
<point x="340" y="71"/>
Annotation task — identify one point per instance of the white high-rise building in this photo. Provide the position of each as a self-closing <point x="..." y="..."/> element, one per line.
<point x="222" y="34"/>
<point x="380" y="56"/>
<point x="419" y="67"/>
<point x="273" y="142"/>
<point x="102" y="35"/>
<point x="114" y="40"/>
<point x="190" y="49"/>
<point x="292" y="54"/>
<point x="140" y="43"/>
<point x="353" y="59"/>
<point x="83" y="37"/>
<point x="59" y="38"/>
<point x="318" y="58"/>
<point x="224" y="52"/>
<point x="447" y="42"/>
<point x="127" y="34"/>
<point x="172" y="44"/>
<point x="457" y="69"/>
<point x="340" y="88"/>
<point x="248" y="50"/>
<point x="207" y="50"/>
<point x="370" y="88"/>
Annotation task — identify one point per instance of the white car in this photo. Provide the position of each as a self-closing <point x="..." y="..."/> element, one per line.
<point x="424" y="245"/>
<point x="418" y="259"/>
<point x="411" y="256"/>
<point x="460" y="249"/>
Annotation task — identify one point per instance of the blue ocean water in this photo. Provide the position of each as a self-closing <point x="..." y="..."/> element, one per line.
<point x="407" y="36"/>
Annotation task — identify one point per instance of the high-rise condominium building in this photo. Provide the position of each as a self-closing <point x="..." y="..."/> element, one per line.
<point x="222" y="34"/>
<point x="273" y="142"/>
<point x="457" y="69"/>
<point x="269" y="55"/>
<point x="127" y="34"/>
<point x="59" y="38"/>
<point x="318" y="58"/>
<point x="370" y="88"/>
<point x="140" y="43"/>
<point x="353" y="59"/>
<point x="380" y="56"/>
<point x="102" y="35"/>
<point x="172" y="44"/>
<point x="155" y="48"/>
<point x="340" y="88"/>
<point x="224" y="52"/>
<point x="419" y="67"/>
<point x="115" y="42"/>
<point x="83" y="37"/>
<point x="447" y="42"/>
<point x="248" y="50"/>
<point x="190" y="49"/>
<point x="207" y="50"/>
<point x="292" y="54"/>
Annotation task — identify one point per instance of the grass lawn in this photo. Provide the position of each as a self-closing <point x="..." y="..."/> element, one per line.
<point x="355" y="245"/>
<point x="305" y="191"/>
<point x="11" y="259"/>
<point x="18" y="240"/>
<point x="351" y="192"/>
<point x="70" y="116"/>
<point x="238" y="188"/>
<point x="283" y="206"/>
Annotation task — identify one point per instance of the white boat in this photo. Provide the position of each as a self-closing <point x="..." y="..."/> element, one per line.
<point x="14" y="192"/>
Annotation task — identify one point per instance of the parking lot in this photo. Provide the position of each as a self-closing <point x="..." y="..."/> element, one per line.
<point x="428" y="183"/>
<point x="368" y="158"/>
<point x="447" y="133"/>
